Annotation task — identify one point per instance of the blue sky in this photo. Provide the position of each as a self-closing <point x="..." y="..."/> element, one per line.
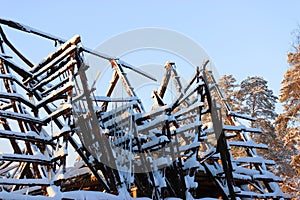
<point x="243" y="38"/>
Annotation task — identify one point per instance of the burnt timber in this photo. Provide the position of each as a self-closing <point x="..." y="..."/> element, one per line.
<point x="169" y="147"/>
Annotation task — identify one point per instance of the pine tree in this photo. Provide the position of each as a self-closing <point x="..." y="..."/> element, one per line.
<point x="288" y="122"/>
<point x="229" y="87"/>
<point x="254" y="98"/>
<point x="290" y="96"/>
<point x="258" y="101"/>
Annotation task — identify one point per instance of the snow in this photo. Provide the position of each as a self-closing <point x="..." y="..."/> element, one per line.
<point x="250" y="194"/>
<point x="161" y="162"/>
<point x="188" y="127"/>
<point x="153" y="123"/>
<point x="241" y="128"/>
<point x="187" y="94"/>
<point x="76" y="195"/>
<point x="28" y="181"/>
<point x="27" y="190"/>
<point x="60" y="152"/>
<point x="110" y="99"/>
<point x="191" y="163"/>
<point x="241" y="177"/>
<point x="16" y="68"/>
<point x="7" y="169"/>
<point x="53" y="62"/>
<point x="189" y="182"/>
<point x="12" y="196"/>
<point x="247" y="171"/>
<point x="258" y="160"/>
<point x="16" y="96"/>
<point x="253" y="130"/>
<point x="249" y="143"/>
<point x="21" y="135"/>
<point x="234" y="114"/>
<point x="25" y="117"/>
<point x="157" y="122"/>
<point x="23" y="157"/>
<point x="159" y="179"/>
<point x="53" y="95"/>
<point x="64" y="130"/>
<point x="267" y="176"/>
<point x="118" y="110"/>
<point x="55" y="74"/>
<point x="232" y="128"/>
<point x="191" y="108"/>
<point x="60" y="110"/>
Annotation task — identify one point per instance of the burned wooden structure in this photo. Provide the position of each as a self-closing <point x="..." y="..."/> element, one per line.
<point x="177" y="149"/>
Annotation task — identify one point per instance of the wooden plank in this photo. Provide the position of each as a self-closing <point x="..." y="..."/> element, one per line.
<point x="25" y="136"/>
<point x="249" y="144"/>
<point x="22" y="117"/>
<point x="41" y="159"/>
<point x="254" y="160"/>
<point x="27" y="181"/>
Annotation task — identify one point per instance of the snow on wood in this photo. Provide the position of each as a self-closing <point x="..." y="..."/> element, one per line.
<point x="28" y="181"/>
<point x="190" y="182"/>
<point x="241" y="128"/>
<point x="233" y="128"/>
<point x="169" y="141"/>
<point x="63" y="109"/>
<point x="191" y="163"/>
<point x="54" y="87"/>
<point x="252" y="130"/>
<point x="191" y="108"/>
<point x="18" y="116"/>
<point x="153" y="113"/>
<point x="241" y="177"/>
<point x="21" y="71"/>
<point x="73" y="41"/>
<point x="26" y="158"/>
<point x="188" y="127"/>
<point x="250" y="194"/>
<point x="27" y="190"/>
<point x="250" y="143"/>
<point x="110" y="99"/>
<point x="159" y="180"/>
<point x="55" y="94"/>
<point x="247" y="171"/>
<point x="158" y="122"/>
<point x="50" y="65"/>
<point x="81" y="195"/>
<point x="76" y="173"/>
<point x="7" y="169"/>
<point x="126" y="138"/>
<point x="256" y="160"/>
<point x="155" y="141"/>
<point x="11" y="196"/>
<point x="230" y="135"/>
<point x="267" y="176"/>
<point x="55" y="74"/>
<point x="234" y="114"/>
<point x="29" y="136"/>
<point x="64" y="130"/>
<point x="16" y="97"/>
<point x="118" y="110"/>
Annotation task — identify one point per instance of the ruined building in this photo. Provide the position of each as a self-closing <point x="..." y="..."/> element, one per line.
<point x="184" y="148"/>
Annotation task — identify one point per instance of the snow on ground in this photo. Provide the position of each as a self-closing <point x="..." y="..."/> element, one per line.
<point x="78" y="195"/>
